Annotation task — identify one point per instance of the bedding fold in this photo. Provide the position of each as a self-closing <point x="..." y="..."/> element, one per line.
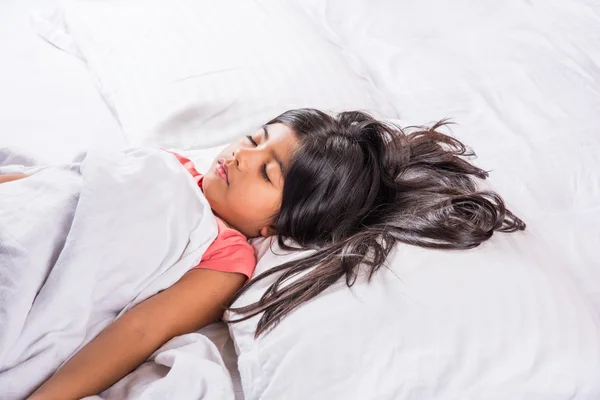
<point x="82" y="243"/>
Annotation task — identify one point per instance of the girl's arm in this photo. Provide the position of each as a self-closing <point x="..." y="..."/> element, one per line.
<point x="197" y="300"/>
<point x="12" y="177"/>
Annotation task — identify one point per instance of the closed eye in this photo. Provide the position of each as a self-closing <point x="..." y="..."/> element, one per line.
<point x="263" y="170"/>
<point x="251" y="140"/>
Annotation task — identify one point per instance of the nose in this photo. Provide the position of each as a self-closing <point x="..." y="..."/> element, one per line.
<point x="242" y="158"/>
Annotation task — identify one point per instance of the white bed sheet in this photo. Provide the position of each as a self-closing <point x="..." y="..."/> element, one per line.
<point x="51" y="109"/>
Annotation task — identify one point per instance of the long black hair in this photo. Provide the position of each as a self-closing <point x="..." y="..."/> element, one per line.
<point x="355" y="187"/>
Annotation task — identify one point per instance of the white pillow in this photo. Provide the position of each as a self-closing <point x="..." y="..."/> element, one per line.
<point x="517" y="77"/>
<point x="198" y="73"/>
<point x="498" y="322"/>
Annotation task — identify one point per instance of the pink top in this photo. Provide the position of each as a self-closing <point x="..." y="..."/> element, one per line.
<point x="229" y="252"/>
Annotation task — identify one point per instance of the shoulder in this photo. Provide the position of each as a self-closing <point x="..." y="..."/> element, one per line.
<point x="228" y="237"/>
<point x="229" y="252"/>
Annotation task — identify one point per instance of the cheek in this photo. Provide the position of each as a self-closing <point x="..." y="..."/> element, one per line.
<point x="256" y="204"/>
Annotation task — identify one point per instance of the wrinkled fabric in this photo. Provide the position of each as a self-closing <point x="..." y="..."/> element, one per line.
<point x="80" y="244"/>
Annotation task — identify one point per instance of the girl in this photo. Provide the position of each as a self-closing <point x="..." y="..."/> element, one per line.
<point x="349" y="186"/>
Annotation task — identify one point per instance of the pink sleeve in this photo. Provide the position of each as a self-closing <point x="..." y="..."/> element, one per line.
<point x="230" y="252"/>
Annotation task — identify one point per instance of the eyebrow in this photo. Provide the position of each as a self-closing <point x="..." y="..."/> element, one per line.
<point x="273" y="153"/>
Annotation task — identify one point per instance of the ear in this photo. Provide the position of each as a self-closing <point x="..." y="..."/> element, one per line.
<point x="267" y="230"/>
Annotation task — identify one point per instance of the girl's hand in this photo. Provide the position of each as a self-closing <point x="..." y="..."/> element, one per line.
<point x="198" y="299"/>
<point x="12" y="177"/>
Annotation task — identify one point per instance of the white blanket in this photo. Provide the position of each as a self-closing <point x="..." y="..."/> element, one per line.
<point x="82" y="243"/>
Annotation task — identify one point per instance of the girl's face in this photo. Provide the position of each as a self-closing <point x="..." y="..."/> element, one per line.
<point x="244" y="185"/>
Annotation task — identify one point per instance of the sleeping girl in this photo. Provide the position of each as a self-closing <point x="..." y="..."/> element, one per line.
<point x="349" y="187"/>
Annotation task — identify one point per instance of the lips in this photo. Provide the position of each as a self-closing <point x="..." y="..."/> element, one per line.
<point x="222" y="170"/>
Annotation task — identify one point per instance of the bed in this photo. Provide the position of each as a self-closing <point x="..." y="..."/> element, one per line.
<point x="521" y="79"/>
